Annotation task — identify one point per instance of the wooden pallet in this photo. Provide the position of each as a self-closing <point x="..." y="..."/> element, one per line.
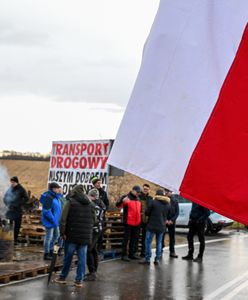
<point x="6" y="278"/>
<point x="20" y="270"/>
<point x="17" y="271"/>
<point x="32" y="230"/>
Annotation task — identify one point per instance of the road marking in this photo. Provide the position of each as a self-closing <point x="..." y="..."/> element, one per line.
<point x="226" y="286"/>
<point x="236" y="291"/>
<point x="206" y="242"/>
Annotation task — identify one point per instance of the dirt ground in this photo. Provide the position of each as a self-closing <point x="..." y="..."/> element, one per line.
<point x="33" y="176"/>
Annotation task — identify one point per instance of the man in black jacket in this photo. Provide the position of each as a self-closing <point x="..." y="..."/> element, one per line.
<point x="15" y="198"/>
<point x="76" y="227"/>
<point x="197" y="221"/>
<point x="171" y="222"/>
<point x="157" y="212"/>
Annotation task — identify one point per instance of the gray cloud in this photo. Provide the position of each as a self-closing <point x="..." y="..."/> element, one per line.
<point x="22" y="38"/>
<point x="75" y="51"/>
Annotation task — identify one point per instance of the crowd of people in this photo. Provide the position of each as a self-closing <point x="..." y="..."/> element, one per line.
<point x="77" y="222"/>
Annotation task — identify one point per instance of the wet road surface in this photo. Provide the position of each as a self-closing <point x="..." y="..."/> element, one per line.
<point x="222" y="275"/>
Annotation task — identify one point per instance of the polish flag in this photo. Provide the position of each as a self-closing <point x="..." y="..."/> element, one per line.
<point x="186" y="124"/>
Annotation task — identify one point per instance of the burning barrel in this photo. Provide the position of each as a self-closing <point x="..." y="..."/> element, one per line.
<point x="6" y="240"/>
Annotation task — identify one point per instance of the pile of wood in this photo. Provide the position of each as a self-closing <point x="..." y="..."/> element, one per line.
<point x="32" y="231"/>
<point x="113" y="231"/>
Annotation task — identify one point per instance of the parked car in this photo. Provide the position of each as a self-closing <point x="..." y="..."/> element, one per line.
<point x="215" y="223"/>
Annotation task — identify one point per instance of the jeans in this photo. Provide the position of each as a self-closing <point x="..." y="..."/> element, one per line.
<point x="149" y="238"/>
<point x="51" y="237"/>
<point x="81" y="265"/>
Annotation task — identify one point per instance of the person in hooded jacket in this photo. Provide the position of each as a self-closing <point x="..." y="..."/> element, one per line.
<point x="92" y="253"/>
<point x="157" y="213"/>
<point x="15" y="198"/>
<point x="76" y="227"/>
<point x="131" y="219"/>
<point x="51" y="213"/>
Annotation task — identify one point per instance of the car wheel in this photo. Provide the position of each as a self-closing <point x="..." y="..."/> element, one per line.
<point x="208" y="227"/>
<point x="216" y="229"/>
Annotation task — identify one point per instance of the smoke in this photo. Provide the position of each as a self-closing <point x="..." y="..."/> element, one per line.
<point x="4" y="185"/>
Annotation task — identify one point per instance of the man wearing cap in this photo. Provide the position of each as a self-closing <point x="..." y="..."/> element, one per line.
<point x="157" y="212"/>
<point x="92" y="253"/>
<point x="51" y="213"/>
<point x="15" y="198"/>
<point x="131" y="219"/>
<point x="102" y="194"/>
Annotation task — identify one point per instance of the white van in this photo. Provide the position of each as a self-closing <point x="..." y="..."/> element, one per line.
<point x="215" y="221"/>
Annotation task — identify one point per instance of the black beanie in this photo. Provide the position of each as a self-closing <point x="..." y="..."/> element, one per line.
<point x="159" y="193"/>
<point x="54" y="185"/>
<point x="14" y="179"/>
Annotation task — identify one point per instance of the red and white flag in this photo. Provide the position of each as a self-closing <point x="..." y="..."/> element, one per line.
<point x="186" y="124"/>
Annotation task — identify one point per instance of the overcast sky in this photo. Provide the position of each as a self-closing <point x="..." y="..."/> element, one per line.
<point x="68" y="68"/>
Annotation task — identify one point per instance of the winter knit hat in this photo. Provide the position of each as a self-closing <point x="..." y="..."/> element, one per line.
<point x="14" y="179"/>
<point x="94" y="180"/>
<point x="94" y="193"/>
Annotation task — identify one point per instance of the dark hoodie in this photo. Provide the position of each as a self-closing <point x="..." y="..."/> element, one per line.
<point x="78" y="218"/>
<point x="157" y="212"/>
<point x="14" y="199"/>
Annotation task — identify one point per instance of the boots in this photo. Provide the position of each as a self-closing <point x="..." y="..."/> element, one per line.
<point x="173" y="255"/>
<point x="188" y="257"/>
<point x="198" y="259"/>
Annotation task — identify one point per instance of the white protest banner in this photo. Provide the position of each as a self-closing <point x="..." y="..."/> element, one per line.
<point x="76" y="162"/>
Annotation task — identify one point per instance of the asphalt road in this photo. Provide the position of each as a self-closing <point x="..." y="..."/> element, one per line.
<point x="223" y="274"/>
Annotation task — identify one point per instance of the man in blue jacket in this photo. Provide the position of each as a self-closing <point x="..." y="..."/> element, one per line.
<point x="51" y="212"/>
<point x="197" y="221"/>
